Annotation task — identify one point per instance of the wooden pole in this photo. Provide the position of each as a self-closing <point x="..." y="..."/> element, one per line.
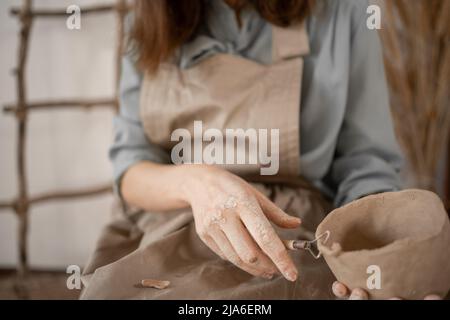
<point x="21" y="206"/>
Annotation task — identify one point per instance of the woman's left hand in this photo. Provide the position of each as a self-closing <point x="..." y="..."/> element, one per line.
<point x="340" y="290"/>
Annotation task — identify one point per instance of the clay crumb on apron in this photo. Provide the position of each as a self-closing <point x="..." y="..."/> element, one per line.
<point x="157" y="284"/>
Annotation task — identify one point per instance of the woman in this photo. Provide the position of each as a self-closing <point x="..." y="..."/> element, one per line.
<point x="310" y="69"/>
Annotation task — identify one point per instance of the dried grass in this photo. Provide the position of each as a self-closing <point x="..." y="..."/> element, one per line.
<point x="416" y="39"/>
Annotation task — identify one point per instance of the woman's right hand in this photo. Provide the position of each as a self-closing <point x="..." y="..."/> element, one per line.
<point x="233" y="219"/>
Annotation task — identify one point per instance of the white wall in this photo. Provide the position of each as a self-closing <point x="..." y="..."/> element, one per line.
<point x="66" y="148"/>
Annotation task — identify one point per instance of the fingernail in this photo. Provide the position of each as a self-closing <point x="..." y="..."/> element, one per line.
<point x="296" y="219"/>
<point x="339" y="289"/>
<point x="355" y="297"/>
<point x="291" y="276"/>
<point x="268" y="276"/>
<point x="253" y="259"/>
<point x="433" y="297"/>
<point x="358" y="294"/>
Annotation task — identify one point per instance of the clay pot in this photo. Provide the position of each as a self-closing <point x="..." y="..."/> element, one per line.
<point x="405" y="234"/>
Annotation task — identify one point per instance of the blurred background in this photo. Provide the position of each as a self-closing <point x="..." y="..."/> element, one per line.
<point x="67" y="148"/>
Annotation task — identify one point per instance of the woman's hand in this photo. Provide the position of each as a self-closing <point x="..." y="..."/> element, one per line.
<point x="341" y="291"/>
<point x="233" y="219"/>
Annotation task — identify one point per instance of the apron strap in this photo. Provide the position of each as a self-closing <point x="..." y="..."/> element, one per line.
<point x="289" y="42"/>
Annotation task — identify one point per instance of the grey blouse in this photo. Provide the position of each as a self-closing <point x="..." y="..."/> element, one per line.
<point x="348" y="147"/>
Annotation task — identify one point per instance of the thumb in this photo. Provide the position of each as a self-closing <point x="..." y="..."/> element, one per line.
<point x="275" y="214"/>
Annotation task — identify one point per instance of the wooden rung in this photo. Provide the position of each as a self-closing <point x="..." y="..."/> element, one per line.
<point x="62" y="12"/>
<point x="6" y="205"/>
<point x="79" y="103"/>
<point x="70" y="194"/>
<point x="60" y="195"/>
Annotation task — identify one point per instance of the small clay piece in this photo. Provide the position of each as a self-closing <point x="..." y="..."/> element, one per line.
<point x="157" y="284"/>
<point x="394" y="244"/>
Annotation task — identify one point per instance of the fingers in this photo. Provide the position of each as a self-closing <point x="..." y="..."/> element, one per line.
<point x="267" y="239"/>
<point x="275" y="214"/>
<point x="358" y="294"/>
<point x="428" y="297"/>
<point x="225" y="246"/>
<point x="241" y="241"/>
<point x="433" y="297"/>
<point x="243" y="235"/>
<point x="213" y="245"/>
<point x="339" y="289"/>
<point x="245" y="246"/>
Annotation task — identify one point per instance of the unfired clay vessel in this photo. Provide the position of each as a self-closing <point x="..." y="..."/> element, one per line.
<point x="406" y="234"/>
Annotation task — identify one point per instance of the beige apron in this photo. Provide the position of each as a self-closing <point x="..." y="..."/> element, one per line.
<point x="222" y="91"/>
<point x="229" y="92"/>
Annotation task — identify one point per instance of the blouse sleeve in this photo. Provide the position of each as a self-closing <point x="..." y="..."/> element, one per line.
<point x="367" y="159"/>
<point x="130" y="143"/>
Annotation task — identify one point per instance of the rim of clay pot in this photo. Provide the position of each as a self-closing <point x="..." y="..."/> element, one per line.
<point x="335" y="248"/>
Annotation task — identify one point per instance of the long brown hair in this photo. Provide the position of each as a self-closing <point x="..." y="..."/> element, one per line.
<point x="161" y="26"/>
